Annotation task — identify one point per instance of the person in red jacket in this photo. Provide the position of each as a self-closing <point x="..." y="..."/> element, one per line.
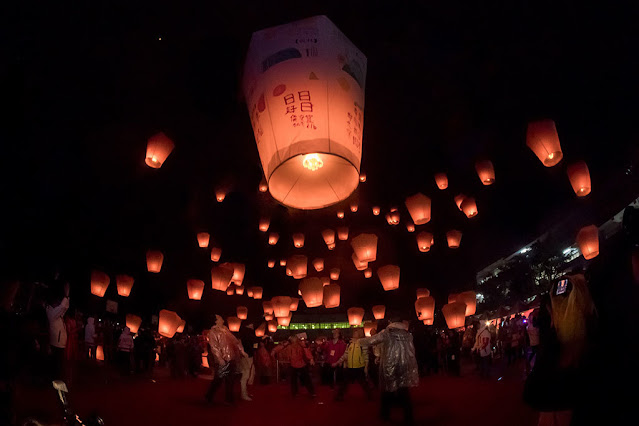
<point x="333" y="351"/>
<point x="300" y="358"/>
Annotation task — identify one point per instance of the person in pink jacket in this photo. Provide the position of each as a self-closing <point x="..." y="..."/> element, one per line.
<point x="333" y="350"/>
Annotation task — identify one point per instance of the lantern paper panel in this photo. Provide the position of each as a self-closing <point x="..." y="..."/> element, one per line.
<point x="469" y="207"/>
<point x="325" y="280"/>
<point x="455" y="314"/>
<point x="342" y="233"/>
<point x="249" y="292"/>
<point x="267" y="306"/>
<point x="221" y="277"/>
<point x="168" y="323"/>
<point x="230" y="291"/>
<point x="410" y="226"/>
<point x="355" y="316"/>
<point x="452" y="297"/>
<point x="124" y="284"/>
<point x="588" y="241"/>
<point x="220" y="194"/>
<point x="99" y="353"/>
<point x="133" y="322"/>
<point x="429" y="321"/>
<point x="257" y="293"/>
<point x="263" y="186"/>
<point x="454" y="238"/>
<point x="441" y="180"/>
<point x="158" y="148"/>
<point x="99" y="283"/>
<point x="368" y="272"/>
<point x="272" y="326"/>
<point x="260" y="330"/>
<point x="340" y="214"/>
<point x="393" y="218"/>
<point x="298" y="265"/>
<point x="239" y="290"/>
<point x="312" y="291"/>
<point x="368" y="327"/>
<point x="424" y="241"/>
<point x="485" y="171"/>
<point x="418" y="206"/>
<point x="265" y="222"/>
<point x="579" y="176"/>
<point x="285" y="321"/>
<point x="239" y="269"/>
<point x="269" y="317"/>
<point x="365" y="247"/>
<point x="273" y="238"/>
<point x="312" y="161"/>
<point x="379" y="311"/>
<point x="359" y="265"/>
<point x="241" y="312"/>
<point x="195" y="288"/>
<point x="329" y="236"/>
<point x="459" y="199"/>
<point x="281" y="306"/>
<point x="234" y="323"/>
<point x="543" y="140"/>
<point x="389" y="277"/>
<point x="469" y="298"/>
<point x="216" y="253"/>
<point x="425" y="308"/>
<point x="318" y="264"/>
<point x="376" y="211"/>
<point x="271" y="263"/>
<point x="334" y="274"/>
<point x="203" y="239"/>
<point x="332" y="295"/>
<point x="154" y="259"/>
<point x="423" y="292"/>
<point x="283" y="262"/>
<point x="181" y="326"/>
<point x="298" y="240"/>
<point x="362" y="177"/>
<point x="294" y="304"/>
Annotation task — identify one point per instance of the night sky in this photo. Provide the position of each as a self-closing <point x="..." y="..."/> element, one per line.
<point x="446" y="85"/>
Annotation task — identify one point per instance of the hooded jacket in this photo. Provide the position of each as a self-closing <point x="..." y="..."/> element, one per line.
<point x="224" y="346"/>
<point x="57" y="330"/>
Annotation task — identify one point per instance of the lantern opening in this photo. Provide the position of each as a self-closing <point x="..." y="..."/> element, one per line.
<point x="312" y="162"/>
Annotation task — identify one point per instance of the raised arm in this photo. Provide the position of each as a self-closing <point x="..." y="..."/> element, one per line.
<point x="373" y="340"/>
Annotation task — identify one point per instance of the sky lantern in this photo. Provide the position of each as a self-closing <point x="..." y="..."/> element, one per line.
<point x="368" y="272"/>
<point x="168" y="323"/>
<point x="325" y="280"/>
<point x="368" y="327"/>
<point x="269" y="317"/>
<point x="410" y="226"/>
<point x="294" y="304"/>
<point x="267" y="306"/>
<point x="376" y="210"/>
<point x="181" y="327"/>
<point x="154" y="259"/>
<point x="459" y="199"/>
<point x="543" y="140"/>
<point x="124" y="284"/>
<point x="389" y="277"/>
<point x="230" y="291"/>
<point x="298" y="264"/>
<point x="257" y="293"/>
<point x="298" y="240"/>
<point x="354" y="206"/>
<point x="318" y="264"/>
<point x="425" y="307"/>
<point x="469" y="207"/>
<point x="133" y="322"/>
<point x="203" y="239"/>
<point x="331" y="246"/>
<point x="355" y="316"/>
<point x="424" y="241"/>
<point x="359" y="265"/>
<point x="99" y="353"/>
<point x="281" y="306"/>
<point x="241" y="312"/>
<point x="393" y="218"/>
<point x="362" y="177"/>
<point x="588" y="241"/>
<point x="239" y="290"/>
<point x="221" y="277"/>
<point x="329" y="236"/>
<point x="365" y="247"/>
<point x="379" y="311"/>
<point x="418" y="206"/>
<point x="271" y="263"/>
<point x="272" y="326"/>
<point x="454" y="238"/>
<point x="429" y="321"/>
<point x="452" y="297"/>
<point x="342" y="233"/>
<point x="579" y="178"/>
<point x="485" y="171"/>
<point x="99" y="283"/>
<point x="263" y="186"/>
<point x="455" y="314"/>
<point x="423" y="292"/>
<point x="469" y="298"/>
<point x="216" y="253"/>
<point x="220" y="194"/>
<point x="158" y="148"/>
<point x="441" y="180"/>
<point x="312" y="292"/>
<point x="265" y="222"/>
<point x="282" y="262"/>
<point x="195" y="288"/>
<point x="340" y="214"/>
<point x="260" y="330"/>
<point x="284" y="321"/>
<point x="334" y="274"/>
<point x="332" y="296"/>
<point x="273" y="238"/>
<point x="239" y="269"/>
<point x="311" y="158"/>
<point x="234" y="323"/>
<point x="249" y="292"/>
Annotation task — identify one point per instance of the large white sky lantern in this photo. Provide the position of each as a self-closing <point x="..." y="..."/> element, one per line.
<point x="304" y="87"/>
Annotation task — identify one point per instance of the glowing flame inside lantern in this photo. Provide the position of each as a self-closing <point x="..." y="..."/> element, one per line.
<point x="312" y="162"/>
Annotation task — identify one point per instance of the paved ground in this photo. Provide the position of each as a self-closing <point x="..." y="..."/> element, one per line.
<point x="439" y="400"/>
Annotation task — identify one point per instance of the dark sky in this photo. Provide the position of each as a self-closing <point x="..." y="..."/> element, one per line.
<point x="446" y="85"/>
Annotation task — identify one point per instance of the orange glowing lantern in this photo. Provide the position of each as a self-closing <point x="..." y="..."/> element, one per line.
<point x="393" y="218"/>
<point x="425" y="308"/>
<point x="239" y="290"/>
<point x="579" y="176"/>
<point x="418" y="206"/>
<point x="334" y="274"/>
<point x="469" y="298"/>
<point x="423" y="292"/>
<point x="221" y="277"/>
<point x="267" y="306"/>
<point x="154" y="259"/>
<point x="205" y="361"/>
<point x="379" y="311"/>
<point x="99" y="283"/>
<point x="362" y="177"/>
<point x="340" y="214"/>
<point x="239" y="270"/>
<point x="455" y="314"/>
<point x="265" y="222"/>
<point x="294" y="304"/>
<point x="469" y="207"/>
<point x="249" y="292"/>
<point x="376" y="211"/>
<point x="289" y="272"/>
<point x="263" y="187"/>
<point x="485" y="171"/>
<point x="195" y="288"/>
<point x="272" y="326"/>
<point x="389" y="277"/>
<point x="257" y="293"/>
<point x="325" y="280"/>
<point x="368" y="272"/>
<point x="459" y="199"/>
<point x="452" y="297"/>
<point x="332" y="296"/>
<point x="133" y="322"/>
<point x="234" y="323"/>
<point x="271" y="263"/>
<point x="269" y="317"/>
<point x="331" y="246"/>
<point x="410" y="226"/>
<point x="441" y="180"/>
<point x="203" y="239"/>
<point x="359" y="265"/>
<point x="354" y="207"/>
<point x="298" y="265"/>
<point x="454" y="238"/>
<point x="314" y="166"/>
<point x="260" y="330"/>
<point x="241" y="312"/>
<point x="429" y="321"/>
<point x="342" y="233"/>
<point x="588" y="241"/>
<point x="318" y="264"/>
<point x="365" y="247"/>
<point x="284" y="321"/>
<point x="329" y="236"/>
<point x="220" y="194"/>
<point x="158" y="148"/>
<point x="281" y="306"/>
<point x="180" y="328"/>
<point x="168" y="323"/>
<point x="424" y="241"/>
<point x="355" y="316"/>
<point x="216" y="253"/>
<point x="368" y="327"/>
<point x="282" y="262"/>
<point x="99" y="353"/>
<point x="543" y="140"/>
<point x="124" y="284"/>
<point x="312" y="291"/>
<point x="230" y="290"/>
<point x="298" y="240"/>
<point x="273" y="238"/>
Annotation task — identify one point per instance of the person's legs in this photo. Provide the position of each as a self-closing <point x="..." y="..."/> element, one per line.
<point x="305" y="378"/>
<point x="403" y="398"/>
<point x="293" y="374"/>
<point x="343" y="385"/>
<point x="245" y="368"/>
<point x="385" y="405"/>
<point x="229" y="381"/>
<point x="360" y="376"/>
<point x="215" y="384"/>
